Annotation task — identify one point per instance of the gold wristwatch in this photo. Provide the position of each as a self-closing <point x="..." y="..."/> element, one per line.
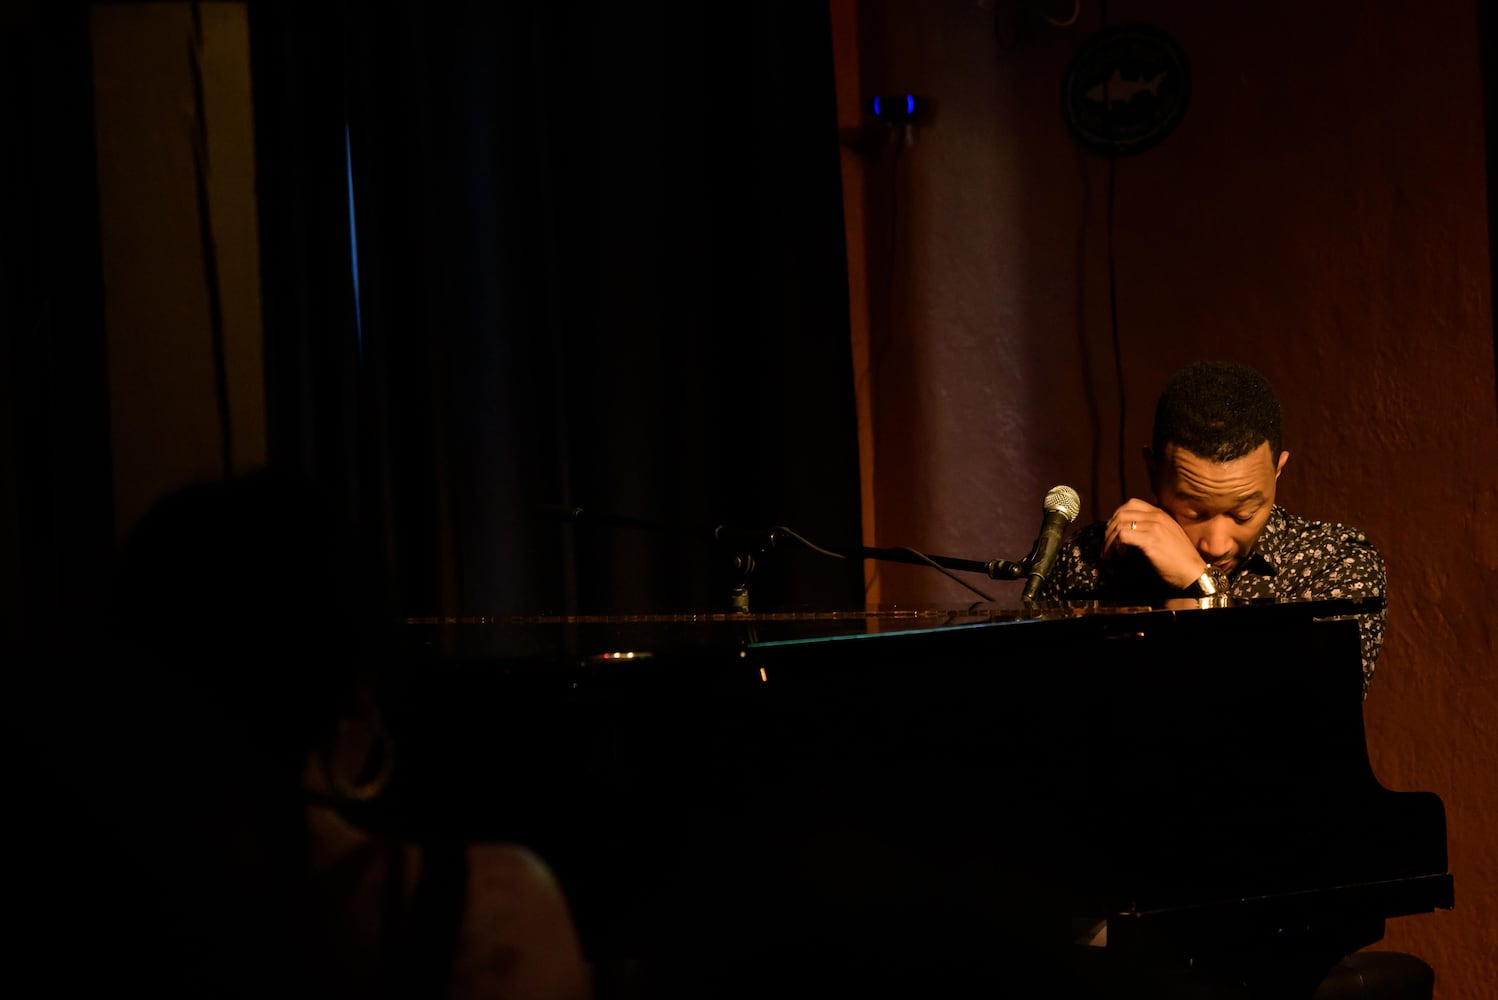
<point x="1212" y="582"/>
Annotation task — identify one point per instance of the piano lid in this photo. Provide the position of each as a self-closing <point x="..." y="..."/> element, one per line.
<point x="626" y="638"/>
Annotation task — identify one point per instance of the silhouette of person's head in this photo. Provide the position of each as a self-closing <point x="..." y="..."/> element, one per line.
<point x="244" y="597"/>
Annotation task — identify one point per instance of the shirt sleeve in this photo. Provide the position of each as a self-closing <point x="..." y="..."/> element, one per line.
<point x="1075" y="575"/>
<point x="1342" y="562"/>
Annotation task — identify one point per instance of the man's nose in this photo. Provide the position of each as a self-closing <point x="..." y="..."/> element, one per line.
<point x="1216" y="542"/>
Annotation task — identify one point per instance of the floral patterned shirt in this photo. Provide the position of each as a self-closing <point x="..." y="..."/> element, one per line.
<point x="1294" y="558"/>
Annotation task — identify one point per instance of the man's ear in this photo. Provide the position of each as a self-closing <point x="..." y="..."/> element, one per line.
<point x="1284" y="457"/>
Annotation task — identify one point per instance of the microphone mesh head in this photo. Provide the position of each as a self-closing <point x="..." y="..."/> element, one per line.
<point x="1064" y="500"/>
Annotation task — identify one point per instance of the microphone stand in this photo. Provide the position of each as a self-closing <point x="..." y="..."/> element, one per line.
<point x="994" y="569"/>
<point x="746" y="545"/>
<point x="743" y="547"/>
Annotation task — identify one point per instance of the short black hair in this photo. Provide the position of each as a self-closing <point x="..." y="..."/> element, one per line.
<point x="1218" y="410"/>
<point x="248" y="598"/>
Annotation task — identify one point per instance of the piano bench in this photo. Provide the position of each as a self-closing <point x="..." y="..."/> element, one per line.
<point x="1378" y="975"/>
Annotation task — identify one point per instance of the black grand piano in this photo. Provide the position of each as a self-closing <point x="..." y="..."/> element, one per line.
<point x="898" y="800"/>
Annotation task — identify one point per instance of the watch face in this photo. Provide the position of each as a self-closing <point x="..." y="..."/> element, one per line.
<point x="1126" y="89"/>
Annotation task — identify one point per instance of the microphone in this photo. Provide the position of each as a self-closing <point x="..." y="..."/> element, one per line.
<point x="1062" y="505"/>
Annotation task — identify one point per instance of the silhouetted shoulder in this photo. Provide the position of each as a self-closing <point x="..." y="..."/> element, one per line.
<point x="517" y="938"/>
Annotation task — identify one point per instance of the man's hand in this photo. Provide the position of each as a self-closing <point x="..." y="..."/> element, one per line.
<point x="1144" y="528"/>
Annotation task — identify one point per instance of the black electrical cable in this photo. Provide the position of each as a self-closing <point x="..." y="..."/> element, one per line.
<point x="1118" y="373"/>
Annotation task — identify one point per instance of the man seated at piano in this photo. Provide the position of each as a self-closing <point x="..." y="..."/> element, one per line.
<point x="1214" y="529"/>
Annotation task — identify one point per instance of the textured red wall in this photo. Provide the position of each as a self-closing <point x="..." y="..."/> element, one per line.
<point x="1320" y="213"/>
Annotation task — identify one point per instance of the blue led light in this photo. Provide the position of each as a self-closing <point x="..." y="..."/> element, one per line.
<point x="353" y="241"/>
<point x="910" y="104"/>
<point x="876" y="105"/>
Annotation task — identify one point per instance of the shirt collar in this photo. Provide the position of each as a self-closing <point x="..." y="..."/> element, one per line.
<point x="1268" y="552"/>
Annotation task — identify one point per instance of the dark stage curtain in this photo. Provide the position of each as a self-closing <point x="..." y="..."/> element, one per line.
<point x="56" y="530"/>
<point x="600" y="265"/>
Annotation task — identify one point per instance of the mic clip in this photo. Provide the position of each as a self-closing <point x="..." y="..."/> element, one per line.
<point x="1003" y="569"/>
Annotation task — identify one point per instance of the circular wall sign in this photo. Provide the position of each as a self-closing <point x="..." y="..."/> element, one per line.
<point x="1126" y="89"/>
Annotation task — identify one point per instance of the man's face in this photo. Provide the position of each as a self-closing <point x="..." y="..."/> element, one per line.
<point x="1221" y="505"/>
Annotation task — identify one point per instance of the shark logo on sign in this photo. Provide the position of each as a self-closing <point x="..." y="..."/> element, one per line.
<point x="1126" y="89"/>
<point x="1121" y="90"/>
